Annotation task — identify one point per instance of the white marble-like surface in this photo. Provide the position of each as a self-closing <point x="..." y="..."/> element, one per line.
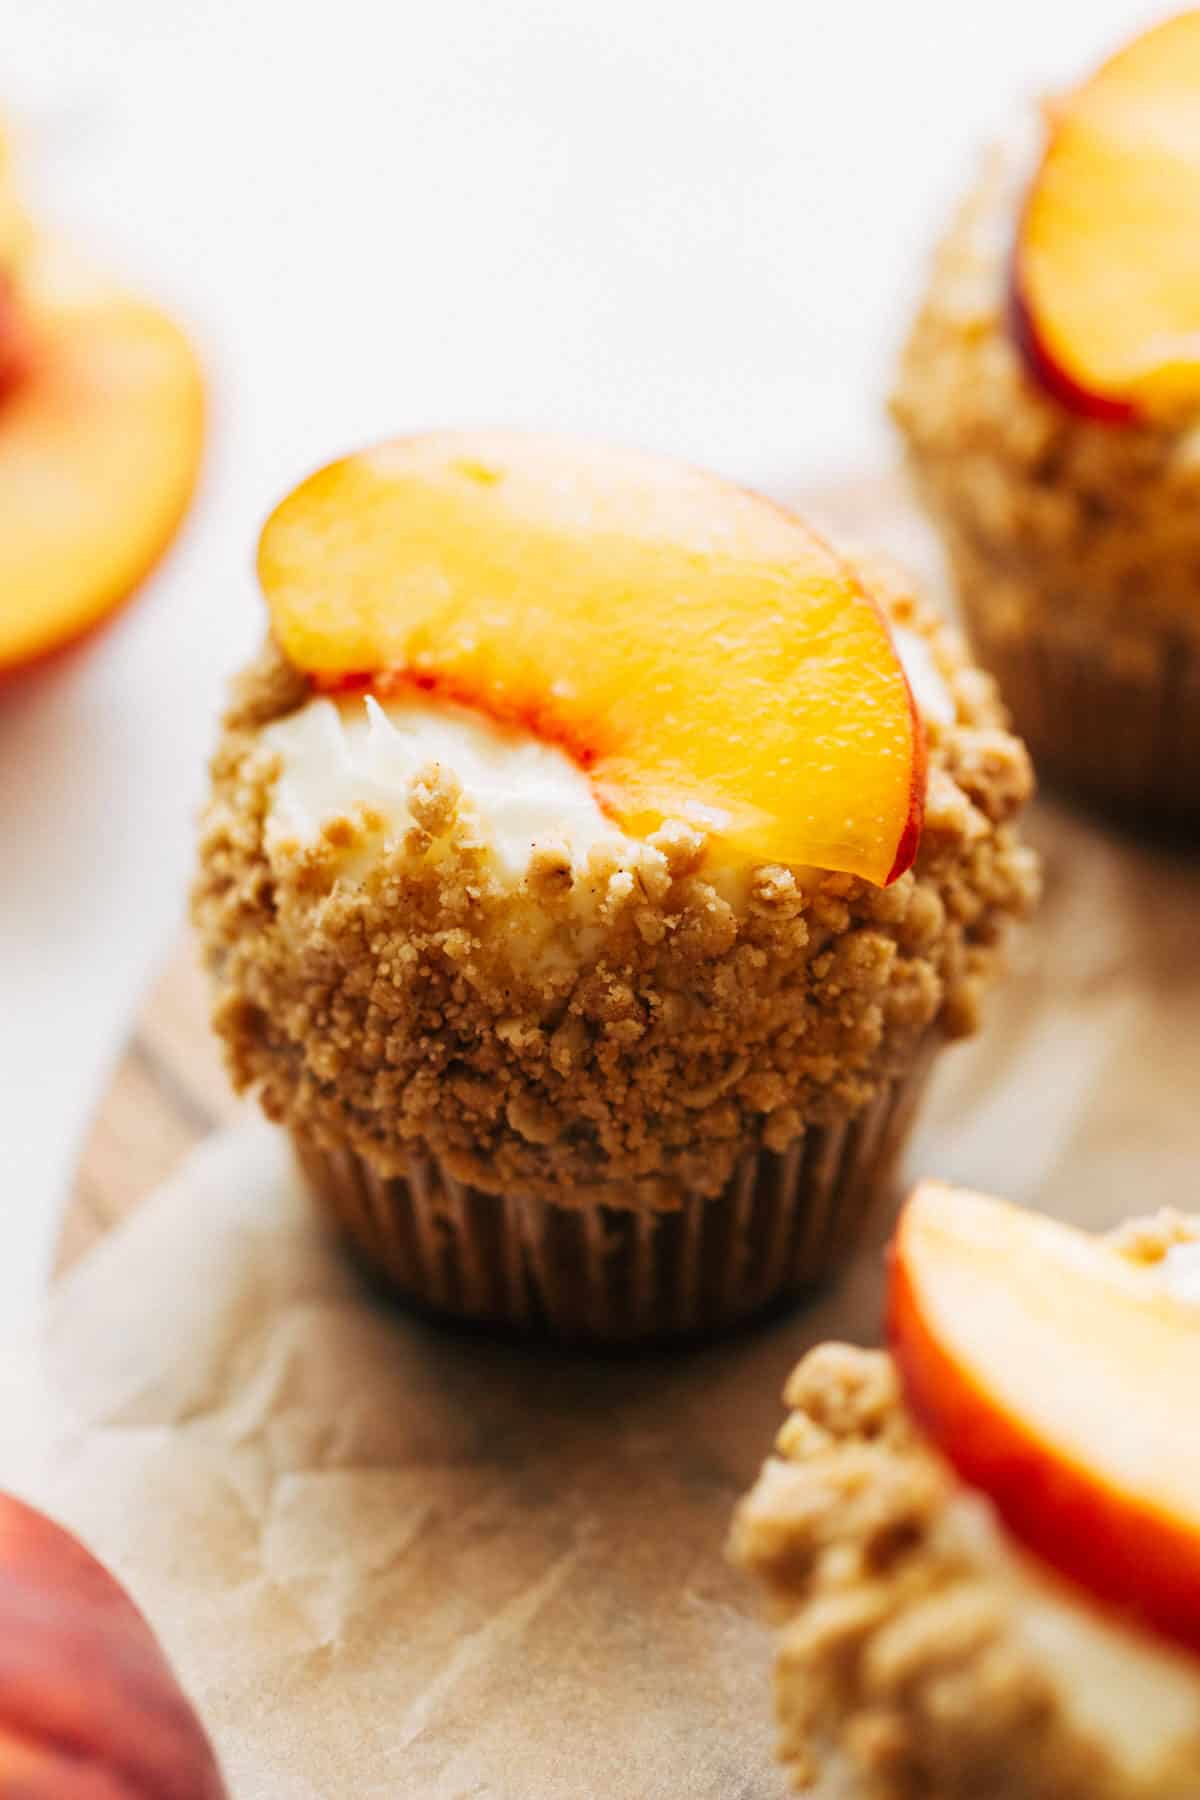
<point x="695" y="226"/>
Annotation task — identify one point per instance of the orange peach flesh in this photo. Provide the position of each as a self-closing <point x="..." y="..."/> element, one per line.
<point x="1107" y="266"/>
<point x="1055" y="1376"/>
<point x="698" y="650"/>
<point x="100" y="437"/>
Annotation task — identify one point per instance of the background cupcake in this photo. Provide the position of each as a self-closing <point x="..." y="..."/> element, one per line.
<point x="1049" y="395"/>
<point x="595" y="947"/>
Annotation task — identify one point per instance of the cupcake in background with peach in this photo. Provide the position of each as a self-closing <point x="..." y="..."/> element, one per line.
<point x="1049" y="396"/>
<point x="982" y="1549"/>
<point x="101" y="431"/>
<point x="583" y="888"/>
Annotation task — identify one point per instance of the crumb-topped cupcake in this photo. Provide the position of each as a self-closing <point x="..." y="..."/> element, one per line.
<point x="983" y="1550"/>
<point x="582" y="888"/>
<point x="1050" y="399"/>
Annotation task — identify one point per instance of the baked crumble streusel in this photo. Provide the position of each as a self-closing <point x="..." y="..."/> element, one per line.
<point x="904" y="1669"/>
<point x="617" y="1032"/>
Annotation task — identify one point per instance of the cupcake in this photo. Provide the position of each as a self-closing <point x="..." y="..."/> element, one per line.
<point x="581" y="886"/>
<point x="983" y="1550"/>
<point x="1049" y="395"/>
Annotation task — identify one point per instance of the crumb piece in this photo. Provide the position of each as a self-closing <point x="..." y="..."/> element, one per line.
<point x="433" y="796"/>
<point x="550" y="871"/>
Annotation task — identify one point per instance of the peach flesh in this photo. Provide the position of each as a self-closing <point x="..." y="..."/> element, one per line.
<point x="1042" y="1293"/>
<point x="1106" y="265"/>
<point x="101" y="426"/>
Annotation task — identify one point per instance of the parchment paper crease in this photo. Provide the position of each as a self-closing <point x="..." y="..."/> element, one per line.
<point x="392" y="1561"/>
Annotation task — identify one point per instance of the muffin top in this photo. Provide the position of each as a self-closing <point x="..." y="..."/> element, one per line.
<point x="444" y="912"/>
<point x="923" y="1647"/>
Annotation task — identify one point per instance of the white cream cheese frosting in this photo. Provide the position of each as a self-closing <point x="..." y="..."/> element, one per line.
<point x="929" y="690"/>
<point x="1181" y="1272"/>
<point x="338" y="757"/>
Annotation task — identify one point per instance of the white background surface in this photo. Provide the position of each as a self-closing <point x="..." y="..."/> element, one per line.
<point x="696" y="226"/>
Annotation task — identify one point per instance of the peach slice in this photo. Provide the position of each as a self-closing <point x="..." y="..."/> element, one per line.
<point x="1058" y="1377"/>
<point x="88" y="1704"/>
<point x="697" y="649"/>
<point x="100" y="435"/>
<point x="1107" y="264"/>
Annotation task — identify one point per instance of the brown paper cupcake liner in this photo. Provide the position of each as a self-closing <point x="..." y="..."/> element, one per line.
<point x="784" y="1223"/>
<point x="1126" y="740"/>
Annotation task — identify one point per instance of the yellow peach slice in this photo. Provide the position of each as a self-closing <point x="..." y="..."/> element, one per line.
<point x="1107" y="266"/>
<point x="697" y="649"/>
<point x="1057" y="1377"/>
<point x="100" y="437"/>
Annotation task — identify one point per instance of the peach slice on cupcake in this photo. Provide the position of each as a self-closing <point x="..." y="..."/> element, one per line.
<point x="1054" y="1374"/>
<point x="1107" y="265"/>
<point x="710" y="659"/>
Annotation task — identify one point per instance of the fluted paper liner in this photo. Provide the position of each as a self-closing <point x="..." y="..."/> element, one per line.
<point x="1123" y="738"/>
<point x="624" y="1274"/>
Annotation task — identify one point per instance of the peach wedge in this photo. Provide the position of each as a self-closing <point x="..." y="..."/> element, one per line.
<point x="101" y="426"/>
<point x="697" y="649"/>
<point x="1058" y="1378"/>
<point x="1107" y="264"/>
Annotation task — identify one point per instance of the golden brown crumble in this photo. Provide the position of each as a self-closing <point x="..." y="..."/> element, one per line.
<point x="1053" y="522"/>
<point x="623" y="1031"/>
<point x="898" y="1665"/>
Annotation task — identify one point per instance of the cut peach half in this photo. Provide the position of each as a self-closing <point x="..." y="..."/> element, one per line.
<point x="1059" y="1378"/>
<point x="1107" y="265"/>
<point x="14" y="221"/>
<point x="697" y="649"/>
<point x="100" y="435"/>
